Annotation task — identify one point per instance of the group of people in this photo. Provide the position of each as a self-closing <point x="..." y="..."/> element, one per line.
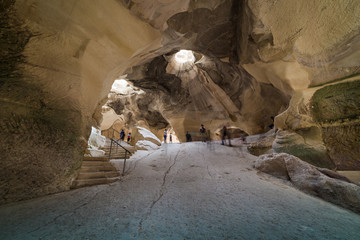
<point x="165" y="136"/>
<point x="122" y="136"/>
<point x="204" y="136"/>
<point x="224" y="134"/>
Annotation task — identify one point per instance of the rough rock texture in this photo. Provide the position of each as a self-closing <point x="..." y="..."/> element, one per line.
<point x="310" y="180"/>
<point x="321" y="125"/>
<point x="130" y="109"/>
<point x="260" y="143"/>
<point x="208" y="91"/>
<point x="318" y="43"/>
<point x="273" y="165"/>
<point x="336" y="108"/>
<point x="144" y="135"/>
<point x="58" y="60"/>
<point x="96" y="141"/>
<point x="313" y="152"/>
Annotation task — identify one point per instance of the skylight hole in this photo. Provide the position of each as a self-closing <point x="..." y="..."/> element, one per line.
<point x="184" y="56"/>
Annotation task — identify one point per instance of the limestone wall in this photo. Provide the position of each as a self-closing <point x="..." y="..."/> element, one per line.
<point x="296" y="44"/>
<point x="59" y="59"/>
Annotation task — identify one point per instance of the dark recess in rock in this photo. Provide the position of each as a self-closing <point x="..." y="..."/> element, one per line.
<point x="117" y="105"/>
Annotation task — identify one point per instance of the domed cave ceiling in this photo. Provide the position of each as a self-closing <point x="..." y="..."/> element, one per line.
<point x="295" y="60"/>
<point x="208" y="91"/>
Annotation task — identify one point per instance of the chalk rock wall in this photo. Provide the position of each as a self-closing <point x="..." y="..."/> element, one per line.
<point x="294" y="45"/>
<point x="321" y="125"/>
<point x="58" y="61"/>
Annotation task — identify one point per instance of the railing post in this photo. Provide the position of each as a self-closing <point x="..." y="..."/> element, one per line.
<point x="123" y="172"/>
<point x="110" y="149"/>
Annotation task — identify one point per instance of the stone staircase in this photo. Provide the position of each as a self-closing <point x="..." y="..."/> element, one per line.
<point x="99" y="170"/>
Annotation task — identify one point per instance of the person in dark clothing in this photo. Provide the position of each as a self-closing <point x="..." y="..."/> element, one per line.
<point x="188" y="137"/>
<point x="122" y="135"/>
<point x="225" y="134"/>
<point x="128" y="137"/>
<point x="271" y="126"/>
<point x="165" y="135"/>
<point x="203" y="133"/>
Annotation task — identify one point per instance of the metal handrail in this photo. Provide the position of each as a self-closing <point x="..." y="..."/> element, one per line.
<point x="126" y="151"/>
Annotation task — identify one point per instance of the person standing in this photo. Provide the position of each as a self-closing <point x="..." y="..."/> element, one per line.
<point x="203" y="133"/>
<point x="165" y="136"/>
<point x="271" y="126"/>
<point x="122" y="135"/>
<point x="225" y="134"/>
<point x="128" y="137"/>
<point x="170" y="138"/>
<point x="188" y="137"/>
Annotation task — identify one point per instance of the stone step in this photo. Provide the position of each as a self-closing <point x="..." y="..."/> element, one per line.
<point x="92" y="175"/>
<point x="117" y="150"/>
<point x="96" y="163"/>
<point x="108" y="148"/>
<point x="104" y="158"/>
<point x="127" y="146"/>
<point x="97" y="168"/>
<point x="94" y="181"/>
<point x="118" y="156"/>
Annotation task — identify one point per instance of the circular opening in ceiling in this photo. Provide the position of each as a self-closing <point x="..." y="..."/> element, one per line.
<point x="184" y="56"/>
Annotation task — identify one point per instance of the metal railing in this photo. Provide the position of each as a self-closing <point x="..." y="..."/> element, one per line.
<point x="117" y="145"/>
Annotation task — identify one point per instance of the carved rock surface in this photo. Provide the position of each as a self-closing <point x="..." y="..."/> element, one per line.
<point x="310" y="180"/>
<point x="273" y="164"/>
<point x="147" y="140"/>
<point x="293" y="143"/>
<point x="336" y="108"/>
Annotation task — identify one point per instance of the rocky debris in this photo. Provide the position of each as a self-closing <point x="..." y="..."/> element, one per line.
<point x="329" y="186"/>
<point x="272" y="165"/>
<point x="145" y="145"/>
<point x="295" y="144"/>
<point x="144" y="139"/>
<point x="335" y="175"/>
<point x="261" y="143"/>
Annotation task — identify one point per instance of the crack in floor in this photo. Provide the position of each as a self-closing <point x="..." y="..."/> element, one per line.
<point x="161" y="194"/>
<point x="136" y="162"/>
<point x="68" y="212"/>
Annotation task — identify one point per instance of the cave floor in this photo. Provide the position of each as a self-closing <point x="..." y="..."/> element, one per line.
<point x="182" y="191"/>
